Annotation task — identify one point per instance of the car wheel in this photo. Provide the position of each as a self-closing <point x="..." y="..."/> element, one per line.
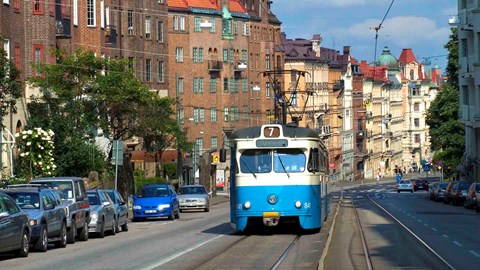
<point x="72" y="234"/>
<point x="42" y="243"/>
<point x="411" y="191"/>
<point x="83" y="236"/>
<point x="177" y="215"/>
<point x="207" y="209"/>
<point x="23" y="251"/>
<point x="135" y="219"/>
<point x="398" y="191"/>
<point x="101" y="234"/>
<point x="114" y="227"/>
<point x="171" y="216"/>
<point x="63" y="237"/>
<point x="125" y="226"/>
<point x="117" y="226"/>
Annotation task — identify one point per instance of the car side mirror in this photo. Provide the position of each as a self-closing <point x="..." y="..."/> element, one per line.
<point x="106" y="203"/>
<point x="49" y="206"/>
<point x="4" y="214"/>
<point x="121" y="203"/>
<point x="134" y="197"/>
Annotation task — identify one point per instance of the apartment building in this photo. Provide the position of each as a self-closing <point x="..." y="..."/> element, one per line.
<point x="469" y="84"/>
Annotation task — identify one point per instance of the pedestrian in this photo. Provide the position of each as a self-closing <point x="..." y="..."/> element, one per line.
<point x="379" y="175"/>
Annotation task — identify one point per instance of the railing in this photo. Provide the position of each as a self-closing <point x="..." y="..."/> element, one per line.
<point x="215" y="65"/>
<point x="111" y="35"/>
<point x="338" y="85"/>
<point x="63" y="29"/>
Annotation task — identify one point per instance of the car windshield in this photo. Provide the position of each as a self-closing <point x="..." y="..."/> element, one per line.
<point x="192" y="190"/>
<point x="154" y="192"/>
<point x="443" y="185"/>
<point x="26" y="200"/>
<point x="64" y="188"/>
<point x="112" y="195"/>
<point x="256" y="161"/>
<point x="404" y="182"/>
<point x="464" y="185"/>
<point x="93" y="198"/>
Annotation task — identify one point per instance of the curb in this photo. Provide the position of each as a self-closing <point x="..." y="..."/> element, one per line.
<point x="330" y="235"/>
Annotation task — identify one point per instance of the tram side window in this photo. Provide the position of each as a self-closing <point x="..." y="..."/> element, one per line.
<point x="314" y="160"/>
<point x="288" y="160"/>
<point x="256" y="161"/>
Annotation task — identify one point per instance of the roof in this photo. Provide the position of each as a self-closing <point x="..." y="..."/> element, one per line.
<point x="234" y="5"/>
<point x="407" y="56"/>
<point x="177" y="4"/>
<point x="288" y="131"/>
<point x="387" y="59"/>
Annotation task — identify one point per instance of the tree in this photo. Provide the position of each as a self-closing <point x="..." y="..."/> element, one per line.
<point x="10" y="87"/>
<point x="447" y="133"/>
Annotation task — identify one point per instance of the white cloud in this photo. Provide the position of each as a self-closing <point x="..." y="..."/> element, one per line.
<point x="325" y="3"/>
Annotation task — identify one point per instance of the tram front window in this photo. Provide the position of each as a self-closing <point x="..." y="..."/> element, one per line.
<point x="288" y="161"/>
<point x="256" y="161"/>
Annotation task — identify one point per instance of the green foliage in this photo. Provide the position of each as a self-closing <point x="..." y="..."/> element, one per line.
<point x="170" y="170"/>
<point x="9" y="85"/>
<point x="452" y="64"/>
<point x="141" y="181"/>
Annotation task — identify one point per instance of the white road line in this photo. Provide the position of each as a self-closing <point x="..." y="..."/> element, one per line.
<point x="444" y="235"/>
<point x="457" y="243"/>
<point x="176" y="255"/>
<point x="474" y="253"/>
<point x="433" y="229"/>
<point x="419" y="220"/>
<point x="425" y="224"/>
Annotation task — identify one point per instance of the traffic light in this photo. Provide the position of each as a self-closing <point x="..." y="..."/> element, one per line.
<point x="216" y="157"/>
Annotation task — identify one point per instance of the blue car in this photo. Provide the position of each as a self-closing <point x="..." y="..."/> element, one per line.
<point x="154" y="201"/>
<point x="121" y="209"/>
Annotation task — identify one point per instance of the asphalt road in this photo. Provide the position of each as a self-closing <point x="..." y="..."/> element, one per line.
<point x="446" y="229"/>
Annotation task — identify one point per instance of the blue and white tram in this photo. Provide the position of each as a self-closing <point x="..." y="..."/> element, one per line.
<point x="276" y="174"/>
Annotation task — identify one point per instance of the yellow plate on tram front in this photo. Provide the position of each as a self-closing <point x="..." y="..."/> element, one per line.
<point x="270" y="214"/>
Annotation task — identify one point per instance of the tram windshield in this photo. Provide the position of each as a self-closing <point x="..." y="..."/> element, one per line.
<point x="284" y="161"/>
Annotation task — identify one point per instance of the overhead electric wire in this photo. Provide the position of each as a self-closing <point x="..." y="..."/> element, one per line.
<point x="377" y="28"/>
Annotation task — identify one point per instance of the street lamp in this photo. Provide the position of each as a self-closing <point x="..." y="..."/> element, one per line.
<point x="454" y="21"/>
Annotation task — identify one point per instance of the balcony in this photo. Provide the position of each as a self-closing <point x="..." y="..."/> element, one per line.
<point x="325" y="131"/>
<point x="215" y="66"/>
<point x="63" y="28"/>
<point x="388" y="153"/>
<point x="388" y="134"/>
<point x="466" y="67"/>
<point x="111" y="35"/>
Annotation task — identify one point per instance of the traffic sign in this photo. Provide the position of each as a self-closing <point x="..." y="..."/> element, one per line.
<point x="117" y="152"/>
<point x="216" y="157"/>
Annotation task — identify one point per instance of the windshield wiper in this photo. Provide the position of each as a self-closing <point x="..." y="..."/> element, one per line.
<point x="283" y="166"/>
<point x="248" y="168"/>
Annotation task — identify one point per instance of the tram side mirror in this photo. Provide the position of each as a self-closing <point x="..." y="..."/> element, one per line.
<point x="223" y="155"/>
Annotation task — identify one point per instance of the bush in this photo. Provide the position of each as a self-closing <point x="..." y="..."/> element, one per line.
<point x="140" y="182"/>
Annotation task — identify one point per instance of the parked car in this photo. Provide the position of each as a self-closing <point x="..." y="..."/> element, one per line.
<point x="448" y="198"/>
<point x="102" y="213"/>
<point x="431" y="191"/>
<point x="439" y="191"/>
<point x="193" y="197"/>
<point x="156" y="200"/>
<point x="73" y="194"/>
<point x="47" y="214"/>
<point x="121" y="210"/>
<point x="14" y="227"/>
<point x="420" y="184"/>
<point x="471" y="198"/>
<point x="404" y="185"/>
<point x="459" y="192"/>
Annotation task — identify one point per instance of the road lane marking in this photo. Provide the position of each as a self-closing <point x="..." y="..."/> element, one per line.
<point x="425" y="224"/>
<point x="444" y="235"/>
<point x="433" y="229"/>
<point x="176" y="255"/>
<point x="419" y="220"/>
<point x="457" y="243"/>
<point x="474" y="253"/>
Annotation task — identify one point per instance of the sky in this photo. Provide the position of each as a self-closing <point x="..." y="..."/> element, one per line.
<point x="421" y="25"/>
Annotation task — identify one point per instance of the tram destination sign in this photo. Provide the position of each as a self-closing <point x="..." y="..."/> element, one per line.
<point x="272" y="143"/>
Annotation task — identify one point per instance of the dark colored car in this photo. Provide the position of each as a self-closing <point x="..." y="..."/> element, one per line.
<point x="14" y="228"/>
<point x="74" y="196"/>
<point x="420" y="184"/>
<point x="431" y="190"/>
<point x="121" y="210"/>
<point x="457" y="192"/>
<point x="439" y="191"/>
<point x="471" y="198"/>
<point x="102" y="213"/>
<point x="156" y="200"/>
<point x="47" y="215"/>
<point x="448" y="198"/>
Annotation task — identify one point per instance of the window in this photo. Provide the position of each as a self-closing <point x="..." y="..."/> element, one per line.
<point x="160" y="31"/>
<point x="102" y="14"/>
<point x="148" y="70"/>
<point x="225" y="114"/>
<point x="213" y="85"/>
<point x="213" y="28"/>
<point x="225" y="55"/>
<point x="180" y="85"/>
<point x="213" y="115"/>
<point x="235" y="27"/>
<point x="199" y="144"/>
<point x="416" y="122"/>
<point x="226" y="27"/>
<point x="195" y="55"/>
<point x="201" y="112"/>
<point x="231" y="56"/>
<point x="38" y="54"/>
<point x="246" y="29"/>
<point x="175" y="23"/>
<point x="244" y="56"/>
<point x="213" y="143"/>
<point x="196" y="24"/>
<point x="130" y="22"/>
<point x="245" y="112"/>
<point x="201" y="85"/>
<point x="179" y="54"/>
<point x="195" y="115"/>
<point x="200" y="55"/>
<point x="161" y="68"/>
<point x="417" y="138"/>
<point x="195" y="85"/>
<point x="244" y="85"/>
<point x="91" y="13"/>
<point x="181" y="115"/>
<point x="182" y="23"/>
<point x="38" y="7"/>
<point x="289" y="160"/>
<point x="267" y="62"/>
<point x="416" y="106"/>
<point x="293" y="99"/>
<point x="267" y="89"/>
<point x="6" y="48"/>
<point x="75" y="12"/>
<point x="225" y="85"/>
<point x="147" y="28"/>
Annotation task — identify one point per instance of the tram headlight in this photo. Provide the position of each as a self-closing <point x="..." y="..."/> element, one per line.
<point x="298" y="204"/>
<point x="247" y="205"/>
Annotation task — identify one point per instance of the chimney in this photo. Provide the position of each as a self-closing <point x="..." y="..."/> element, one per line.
<point x="316" y="40"/>
<point x="346" y="50"/>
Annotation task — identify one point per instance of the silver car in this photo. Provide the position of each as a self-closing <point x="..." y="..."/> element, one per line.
<point x="102" y="213"/>
<point x="193" y="197"/>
